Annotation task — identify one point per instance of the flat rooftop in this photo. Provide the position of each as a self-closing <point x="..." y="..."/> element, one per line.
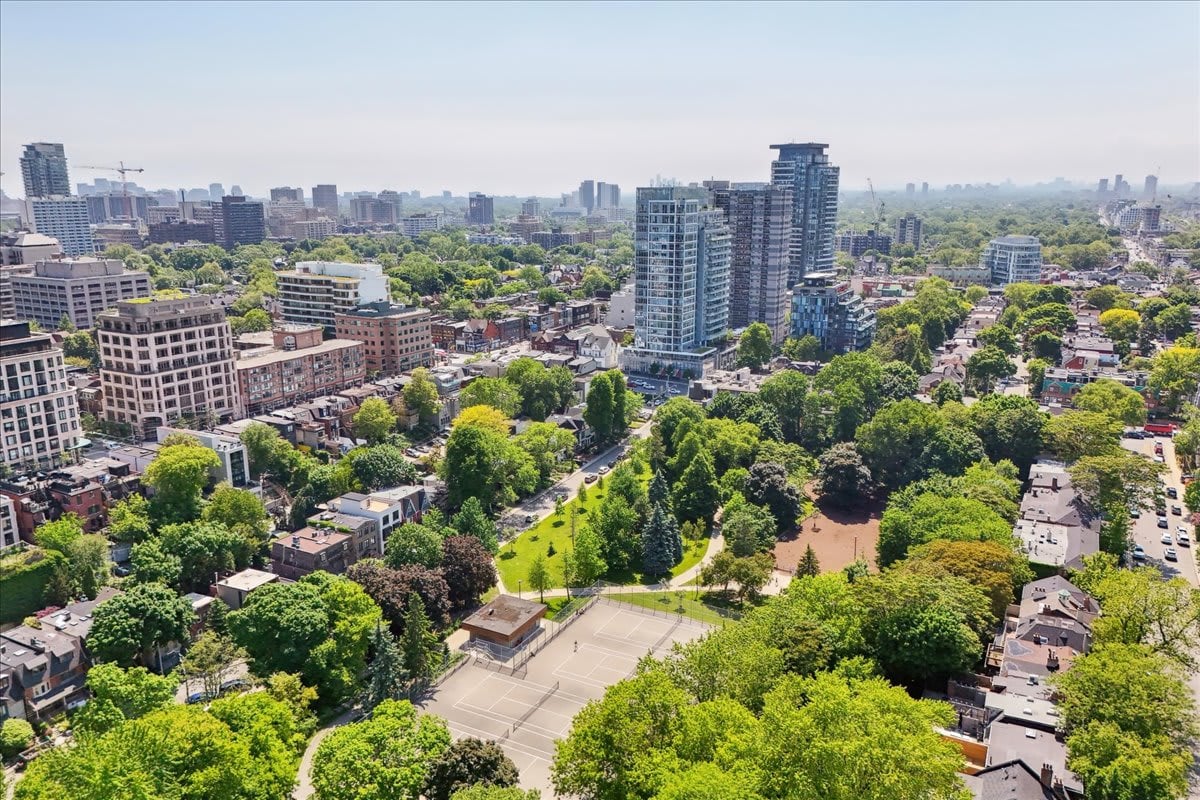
<point x="248" y="579"/>
<point x="504" y="615"/>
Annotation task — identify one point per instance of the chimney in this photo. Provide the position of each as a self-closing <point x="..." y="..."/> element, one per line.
<point x="295" y="541"/>
<point x="1054" y="483"/>
<point x="1047" y="775"/>
<point x="1052" y="661"/>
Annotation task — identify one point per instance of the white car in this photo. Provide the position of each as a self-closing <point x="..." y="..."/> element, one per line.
<point x="1166" y="539"/>
<point x="1182" y="538"/>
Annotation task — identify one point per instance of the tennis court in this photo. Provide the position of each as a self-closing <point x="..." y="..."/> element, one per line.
<point x="527" y="709"/>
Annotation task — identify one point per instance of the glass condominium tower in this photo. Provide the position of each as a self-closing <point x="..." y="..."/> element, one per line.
<point x="805" y="169"/>
<point x="681" y="275"/>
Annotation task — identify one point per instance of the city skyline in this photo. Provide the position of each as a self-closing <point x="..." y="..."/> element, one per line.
<point x="554" y="120"/>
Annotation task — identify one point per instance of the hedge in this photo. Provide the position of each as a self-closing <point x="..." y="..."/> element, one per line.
<point x="23" y="579"/>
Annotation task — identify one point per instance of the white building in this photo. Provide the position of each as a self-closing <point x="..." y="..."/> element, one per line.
<point x="316" y="291"/>
<point x="1013" y="259"/>
<point x="416" y="224"/>
<point x="318" y="228"/>
<point x="28" y="248"/>
<point x="235" y="463"/>
<point x="64" y="218"/>
<point x="166" y="360"/>
<point x="389" y="508"/>
<point x="75" y="288"/>
<point x="9" y="537"/>
<point x="39" y="420"/>
<point x="620" y="309"/>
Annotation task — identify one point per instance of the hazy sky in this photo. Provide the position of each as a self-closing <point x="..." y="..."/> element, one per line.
<point x="520" y="99"/>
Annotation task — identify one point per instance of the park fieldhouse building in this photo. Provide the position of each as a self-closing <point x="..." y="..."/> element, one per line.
<point x="506" y="621"/>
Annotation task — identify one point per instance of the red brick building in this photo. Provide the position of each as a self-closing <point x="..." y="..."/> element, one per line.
<point x="396" y="338"/>
<point x="300" y="367"/>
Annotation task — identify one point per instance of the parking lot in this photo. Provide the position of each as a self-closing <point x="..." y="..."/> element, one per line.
<point x="528" y="710"/>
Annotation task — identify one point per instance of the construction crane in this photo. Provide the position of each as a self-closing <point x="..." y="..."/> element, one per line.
<point x="876" y="206"/>
<point x="122" y="170"/>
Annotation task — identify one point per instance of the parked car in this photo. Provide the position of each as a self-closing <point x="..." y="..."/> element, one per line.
<point x="1170" y="554"/>
<point x="1138" y="553"/>
<point x="1162" y="522"/>
<point x="1182" y="539"/>
<point x="529" y="519"/>
<point x="1135" y="513"/>
<point x="604" y="470"/>
<point x="590" y="477"/>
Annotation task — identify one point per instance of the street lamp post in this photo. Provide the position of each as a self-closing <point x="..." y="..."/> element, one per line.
<point x="518" y="588"/>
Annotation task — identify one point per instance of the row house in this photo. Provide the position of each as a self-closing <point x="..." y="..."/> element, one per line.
<point x="1055" y="528"/>
<point x="43" y="669"/>
<point x="86" y="489"/>
<point x="294" y="555"/>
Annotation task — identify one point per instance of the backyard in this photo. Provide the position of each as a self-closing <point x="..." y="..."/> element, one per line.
<point x="552" y="537"/>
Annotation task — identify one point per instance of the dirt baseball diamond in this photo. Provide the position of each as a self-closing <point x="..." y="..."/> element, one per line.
<point x="836" y="536"/>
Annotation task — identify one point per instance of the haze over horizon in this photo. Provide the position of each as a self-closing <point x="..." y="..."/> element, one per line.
<point x="532" y="99"/>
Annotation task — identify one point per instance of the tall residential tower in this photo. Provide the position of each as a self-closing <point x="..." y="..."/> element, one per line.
<point x="44" y="170"/>
<point x="805" y="169"/>
<point x="760" y="227"/>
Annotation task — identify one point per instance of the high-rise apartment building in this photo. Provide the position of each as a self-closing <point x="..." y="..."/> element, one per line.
<point x="44" y="170"/>
<point x="924" y="188"/>
<point x="1013" y="259"/>
<point x="166" y="360"/>
<point x="480" y="209"/>
<point x="910" y="189"/>
<point x="531" y="207"/>
<point x="825" y="307"/>
<point x="1102" y="186"/>
<point x="760" y="226"/>
<point x="106" y="206"/>
<point x="414" y="225"/>
<point x="316" y="291"/>
<point x="587" y="195"/>
<point x="805" y="169"/>
<point x="215" y="192"/>
<point x="908" y="230"/>
<point x="857" y="244"/>
<point x="1150" y="189"/>
<point x="65" y="219"/>
<point x="318" y="228"/>
<point x="397" y="338"/>
<point x="681" y="282"/>
<point x="325" y="199"/>
<point x="242" y="221"/>
<point x="608" y="195"/>
<point x="75" y="288"/>
<point x="39" y="420"/>
<point x="395" y="200"/>
<point x="287" y="193"/>
<point x="373" y="211"/>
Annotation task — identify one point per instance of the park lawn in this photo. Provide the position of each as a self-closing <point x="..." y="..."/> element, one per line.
<point x="515" y="558"/>
<point x="669" y="602"/>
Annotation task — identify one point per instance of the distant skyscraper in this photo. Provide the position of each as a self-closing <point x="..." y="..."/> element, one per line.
<point x="681" y="282"/>
<point x="805" y="169"/>
<point x="44" y="170"/>
<point x="910" y="189"/>
<point x="608" y="195"/>
<point x="325" y="199"/>
<point x="587" y="195"/>
<point x="1102" y="187"/>
<point x="215" y="192"/>
<point x="479" y="209"/>
<point x="908" y="230"/>
<point x="1013" y="259"/>
<point x="242" y="221"/>
<point x="1150" y="189"/>
<point x="760" y="226"/>
<point x="64" y="218"/>
<point x="531" y="207"/>
<point x="237" y="191"/>
<point x="287" y="193"/>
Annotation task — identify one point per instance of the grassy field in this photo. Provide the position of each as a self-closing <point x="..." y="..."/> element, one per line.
<point x="552" y="537"/>
<point x="670" y="603"/>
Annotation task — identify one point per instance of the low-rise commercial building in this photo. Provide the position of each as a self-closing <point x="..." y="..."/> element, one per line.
<point x="300" y="366"/>
<point x="75" y="288"/>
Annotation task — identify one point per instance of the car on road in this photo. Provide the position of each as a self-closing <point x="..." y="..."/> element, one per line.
<point x="411" y="452"/>
<point x="1166" y="539"/>
<point x="1172" y="493"/>
<point x="1162" y="522"/>
<point x="604" y="470"/>
<point x="590" y="477"/>
<point x="1177" y="511"/>
<point x="196" y="697"/>
<point x="1135" y="513"/>
<point x="1170" y="554"/>
<point x="1138" y="553"/>
<point x="529" y="519"/>
<point x="1182" y="538"/>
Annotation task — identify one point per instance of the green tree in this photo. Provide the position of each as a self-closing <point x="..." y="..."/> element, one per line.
<point x="15" y="735"/>
<point x="889" y="440"/>
<point x="999" y="337"/>
<point x="129" y="519"/>
<point x="986" y="366"/>
<point x="203" y="548"/>
<point x="844" y="479"/>
<point x="657" y="550"/>
<point x="1037" y="375"/>
<point x="1075" y="434"/>
<point x="472" y="521"/>
<point x="177" y="475"/>
<point x="387" y="679"/>
<point x="539" y="578"/>
<point x="697" y="493"/>
<point x="601" y="405"/>
<point x="995" y="567"/>
<point x="755" y="346"/>
<point x="1010" y="427"/>
<point x="374" y="420"/>
<point x="1142" y="607"/>
<point x="87" y="562"/>
<point x="499" y="393"/>
<point x="1175" y="374"/>
<point x="930" y="517"/>
<point x="946" y="392"/>
<point x="211" y="658"/>
<point x="413" y="543"/>
<point x="418" y="643"/>
<point x="130" y="626"/>
<point x="1114" y="399"/>
<point x="485" y="465"/>
<point x="1120" y="324"/>
<point x="548" y="446"/>
<point x="421" y="396"/>
<point x="1102" y="298"/>
<point x="587" y="559"/>
<point x="279" y="625"/>
<point x="151" y="563"/>
<point x="806" y="348"/>
<point x="1174" y="321"/>
<point x="382" y="466"/>
<point x="469" y="762"/>
<point x="242" y="512"/>
<point x="1115" y="765"/>
<point x="768" y="485"/>
<point x="59" y="534"/>
<point x="808" y="566"/>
